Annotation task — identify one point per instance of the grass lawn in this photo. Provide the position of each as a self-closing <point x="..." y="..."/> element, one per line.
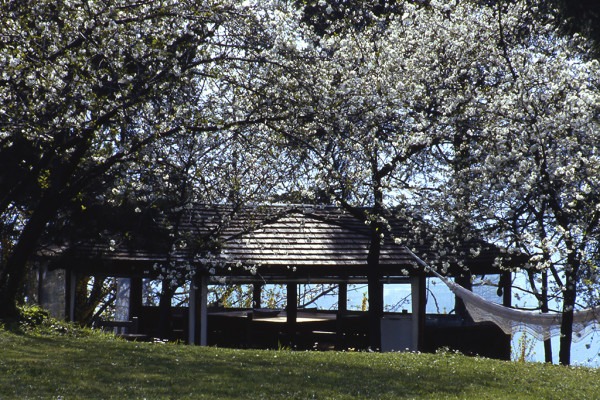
<point x="101" y="367"/>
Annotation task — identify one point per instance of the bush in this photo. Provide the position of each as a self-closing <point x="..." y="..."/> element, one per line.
<point x="32" y="316"/>
<point x="33" y="319"/>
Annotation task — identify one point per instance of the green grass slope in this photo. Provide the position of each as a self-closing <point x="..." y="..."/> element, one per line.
<point x="100" y="367"/>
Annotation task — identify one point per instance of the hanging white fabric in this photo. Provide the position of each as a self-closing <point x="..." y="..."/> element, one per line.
<point x="542" y="326"/>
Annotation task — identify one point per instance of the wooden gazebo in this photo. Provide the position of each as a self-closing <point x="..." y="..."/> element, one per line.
<point x="288" y="245"/>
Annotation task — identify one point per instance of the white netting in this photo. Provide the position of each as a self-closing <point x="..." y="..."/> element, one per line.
<point x="540" y="325"/>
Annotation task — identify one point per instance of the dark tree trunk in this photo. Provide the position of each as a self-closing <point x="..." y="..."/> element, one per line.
<point x="87" y="303"/>
<point x="566" y="336"/>
<point x="541" y="296"/>
<point x="545" y="309"/>
<point x="375" y="306"/>
<point x="375" y="289"/>
<point x="566" y="327"/>
<point x="569" y="298"/>
<point x="13" y="273"/>
<point x="548" y="351"/>
<point x="164" y="310"/>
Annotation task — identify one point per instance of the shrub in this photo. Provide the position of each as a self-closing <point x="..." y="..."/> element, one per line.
<point x="35" y="320"/>
<point x="32" y="316"/>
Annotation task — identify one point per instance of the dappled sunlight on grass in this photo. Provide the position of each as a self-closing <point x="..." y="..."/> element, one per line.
<point x="93" y="367"/>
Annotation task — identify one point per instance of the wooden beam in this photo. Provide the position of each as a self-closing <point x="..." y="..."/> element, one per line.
<point x="203" y="310"/>
<point x="375" y="313"/>
<point x="135" y="297"/>
<point x="292" y="312"/>
<point x="123" y="300"/>
<point x="256" y="295"/>
<point x="198" y="311"/>
<point x="341" y="313"/>
<point x="507" y="289"/>
<point x="72" y="288"/>
<point x="419" y="308"/>
<point x="192" y="310"/>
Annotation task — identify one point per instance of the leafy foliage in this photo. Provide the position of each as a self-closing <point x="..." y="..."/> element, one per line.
<point x="35" y="321"/>
<point x="87" y="87"/>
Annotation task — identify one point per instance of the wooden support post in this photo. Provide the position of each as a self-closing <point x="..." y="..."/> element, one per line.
<point x="192" y="310"/>
<point x="256" y="295"/>
<point x="506" y="279"/>
<point x="341" y="313"/>
<point x="123" y="300"/>
<point x="198" y="311"/>
<point x="507" y="289"/>
<point x="203" y="310"/>
<point x="72" y="293"/>
<point x="419" y="309"/>
<point x="292" y="312"/>
<point x="135" y="297"/>
<point x="342" y="298"/>
<point x="165" y="321"/>
<point x="375" y="291"/>
<point x="41" y="272"/>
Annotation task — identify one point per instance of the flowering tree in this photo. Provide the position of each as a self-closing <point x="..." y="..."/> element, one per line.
<point x="85" y="86"/>
<point x="544" y="157"/>
<point x="378" y="100"/>
<point x="526" y="165"/>
<point x="426" y="109"/>
<point x="482" y="119"/>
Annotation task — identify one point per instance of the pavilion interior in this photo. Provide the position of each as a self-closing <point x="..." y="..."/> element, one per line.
<point x="292" y="247"/>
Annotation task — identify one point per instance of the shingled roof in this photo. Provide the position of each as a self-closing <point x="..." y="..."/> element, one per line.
<point x="310" y="237"/>
<point x="299" y="240"/>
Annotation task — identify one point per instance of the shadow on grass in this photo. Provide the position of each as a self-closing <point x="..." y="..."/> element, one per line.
<point x="107" y="368"/>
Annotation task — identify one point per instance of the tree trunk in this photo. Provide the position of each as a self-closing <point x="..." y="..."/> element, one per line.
<point x="542" y="298"/>
<point x="164" y="307"/>
<point x="548" y="351"/>
<point x="87" y="303"/>
<point x="375" y="289"/>
<point x="566" y="326"/>
<point x="546" y="309"/>
<point x="13" y="273"/>
<point x="375" y="304"/>
<point x="566" y="336"/>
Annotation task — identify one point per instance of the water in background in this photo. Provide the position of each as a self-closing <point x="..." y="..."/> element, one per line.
<point x="440" y="300"/>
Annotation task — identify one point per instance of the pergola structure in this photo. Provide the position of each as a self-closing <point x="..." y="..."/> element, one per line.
<point x="287" y="245"/>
